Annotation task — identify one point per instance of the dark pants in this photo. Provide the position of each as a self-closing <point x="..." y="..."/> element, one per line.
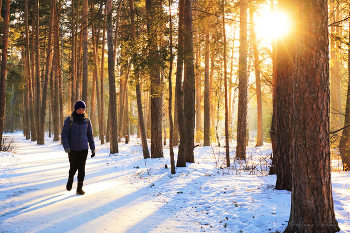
<point x="77" y="160"/>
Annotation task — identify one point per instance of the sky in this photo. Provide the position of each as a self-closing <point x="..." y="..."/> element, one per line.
<point x="126" y="193"/>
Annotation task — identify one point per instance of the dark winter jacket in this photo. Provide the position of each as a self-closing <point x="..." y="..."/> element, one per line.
<point x="78" y="135"/>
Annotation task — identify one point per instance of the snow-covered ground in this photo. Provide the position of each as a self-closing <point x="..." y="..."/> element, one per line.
<point x="125" y="193"/>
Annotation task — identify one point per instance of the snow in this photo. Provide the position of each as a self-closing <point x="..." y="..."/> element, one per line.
<point x="125" y="193"/>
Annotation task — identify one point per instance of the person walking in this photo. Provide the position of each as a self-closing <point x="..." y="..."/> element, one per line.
<point x="76" y="135"/>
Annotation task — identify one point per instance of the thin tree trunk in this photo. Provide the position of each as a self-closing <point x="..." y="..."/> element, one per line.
<point x="41" y="132"/>
<point x="273" y="130"/>
<point x="259" y="141"/>
<point x="181" y="158"/>
<point x="243" y="83"/>
<point x="37" y="70"/>
<point x="112" y="94"/>
<point x="27" y="67"/>
<point x="3" y="74"/>
<point x="73" y="64"/>
<point x="171" y="125"/>
<point x="206" y="87"/>
<point x="103" y="128"/>
<point x="227" y="136"/>
<point x="84" y="18"/>
<point x="32" y="78"/>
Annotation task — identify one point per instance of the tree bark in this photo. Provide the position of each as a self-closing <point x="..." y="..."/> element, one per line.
<point x="3" y="74"/>
<point x="112" y="94"/>
<point x="243" y="83"/>
<point x="312" y="208"/>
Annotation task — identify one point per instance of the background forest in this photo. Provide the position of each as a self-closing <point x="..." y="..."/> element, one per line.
<point x="196" y="73"/>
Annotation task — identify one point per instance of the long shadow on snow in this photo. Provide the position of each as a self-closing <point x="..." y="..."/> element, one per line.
<point x="116" y="204"/>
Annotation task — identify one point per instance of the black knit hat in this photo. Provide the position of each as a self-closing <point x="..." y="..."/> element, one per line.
<point x="79" y="104"/>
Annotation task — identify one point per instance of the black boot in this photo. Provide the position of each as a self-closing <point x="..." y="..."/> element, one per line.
<point x="69" y="184"/>
<point x="80" y="188"/>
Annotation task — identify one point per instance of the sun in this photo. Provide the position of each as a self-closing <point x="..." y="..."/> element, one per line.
<point x="276" y="24"/>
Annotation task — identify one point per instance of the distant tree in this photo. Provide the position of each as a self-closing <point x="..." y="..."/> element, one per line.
<point x="243" y="83"/>
<point x="312" y="208"/>
<point x="4" y="67"/>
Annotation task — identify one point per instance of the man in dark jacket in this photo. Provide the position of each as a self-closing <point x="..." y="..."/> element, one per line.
<point x="76" y="134"/>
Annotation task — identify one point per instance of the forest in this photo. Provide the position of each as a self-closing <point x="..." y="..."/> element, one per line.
<point x="190" y="73"/>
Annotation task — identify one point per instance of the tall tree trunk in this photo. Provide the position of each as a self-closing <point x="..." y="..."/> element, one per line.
<point x="206" y="87"/>
<point x="60" y="78"/>
<point x="103" y="128"/>
<point x="156" y="101"/>
<point x="243" y="83"/>
<point x="37" y="69"/>
<point x="181" y="158"/>
<point x="84" y="19"/>
<point x="73" y="64"/>
<point x="171" y="125"/>
<point x="197" y="45"/>
<point x="41" y="132"/>
<point x="273" y="130"/>
<point x="344" y="144"/>
<point x="32" y="78"/>
<point x="94" y="80"/>
<point x="227" y="136"/>
<point x="189" y="85"/>
<point x="138" y="93"/>
<point x="284" y="115"/>
<point x="259" y="140"/>
<point x="3" y="67"/>
<point x="312" y="208"/>
<point x="112" y="94"/>
<point x="55" y="80"/>
<point x="28" y="74"/>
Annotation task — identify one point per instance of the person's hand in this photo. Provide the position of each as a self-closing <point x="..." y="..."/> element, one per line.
<point x="92" y="153"/>
<point x="67" y="150"/>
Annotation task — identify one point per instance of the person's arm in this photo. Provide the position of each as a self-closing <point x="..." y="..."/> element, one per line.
<point x="65" y="134"/>
<point x="90" y="137"/>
